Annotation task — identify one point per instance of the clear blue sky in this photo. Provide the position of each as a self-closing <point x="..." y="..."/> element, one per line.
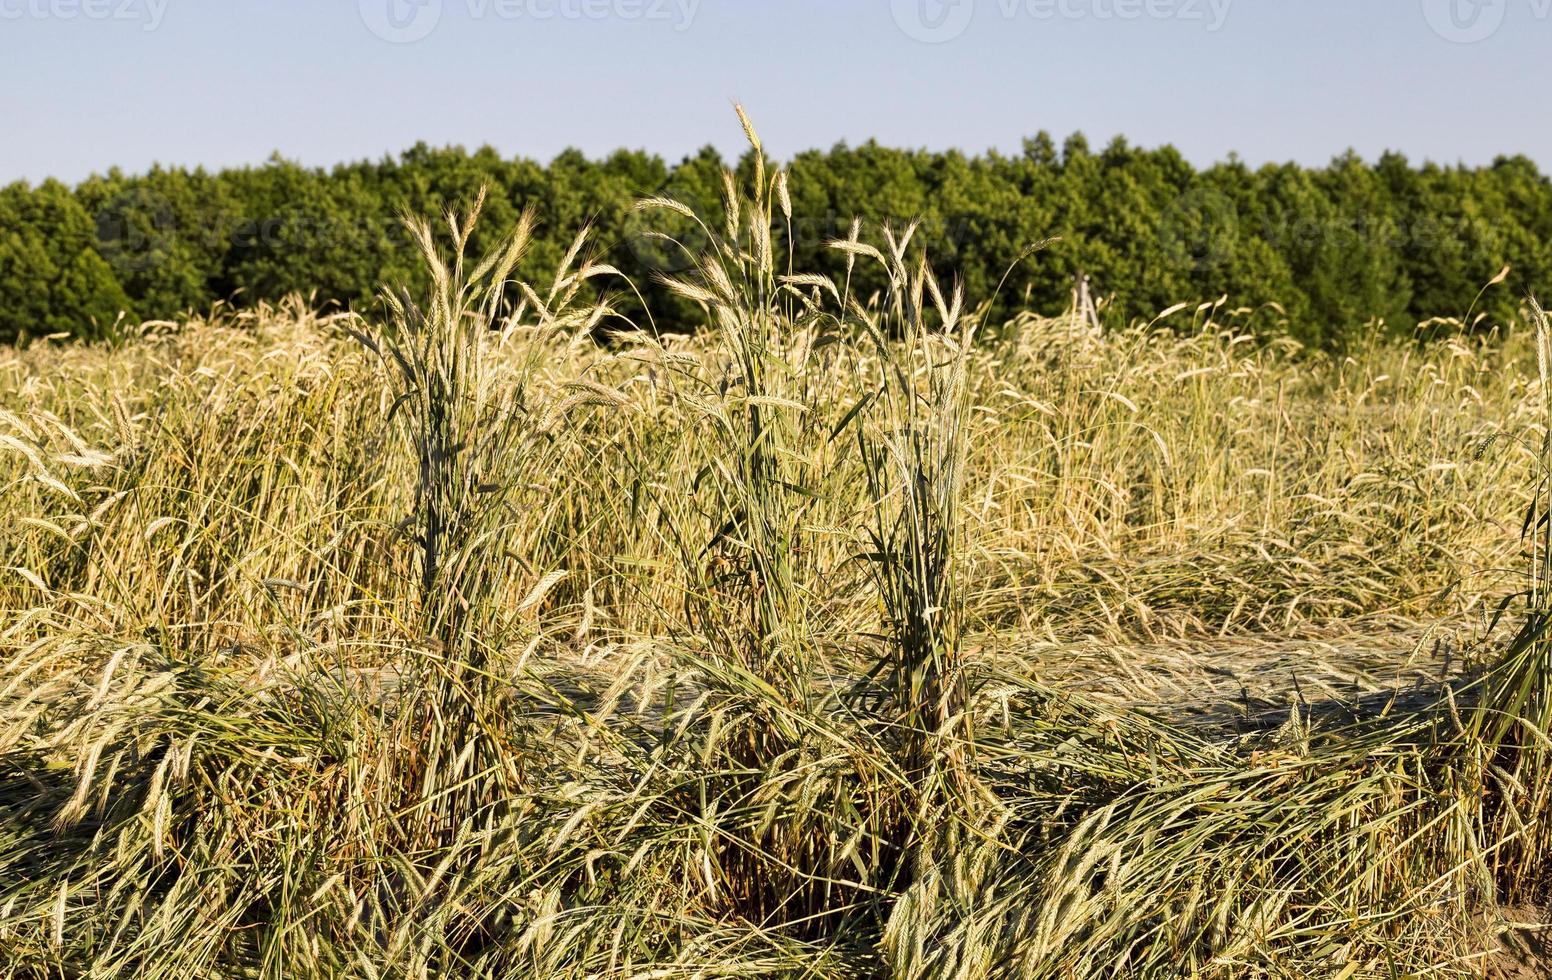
<point x="94" y="83"/>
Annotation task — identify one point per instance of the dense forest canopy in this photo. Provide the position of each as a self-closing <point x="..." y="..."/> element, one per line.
<point x="1325" y="251"/>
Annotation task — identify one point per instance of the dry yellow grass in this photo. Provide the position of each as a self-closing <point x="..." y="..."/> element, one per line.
<point x="826" y="640"/>
<point x="1149" y="487"/>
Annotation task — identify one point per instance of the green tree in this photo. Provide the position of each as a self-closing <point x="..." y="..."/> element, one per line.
<point x="1336" y="247"/>
<point x="52" y="279"/>
<point x="165" y="234"/>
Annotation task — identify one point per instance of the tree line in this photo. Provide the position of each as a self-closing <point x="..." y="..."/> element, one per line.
<point x="1323" y="251"/>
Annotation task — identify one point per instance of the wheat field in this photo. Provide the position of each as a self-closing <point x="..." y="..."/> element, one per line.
<point x="827" y="636"/>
